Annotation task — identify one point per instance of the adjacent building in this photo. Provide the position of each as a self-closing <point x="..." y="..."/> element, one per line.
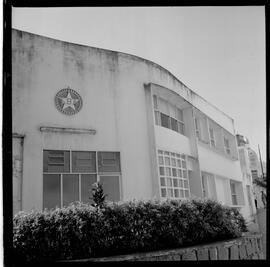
<point x="246" y="168"/>
<point x="83" y="114"/>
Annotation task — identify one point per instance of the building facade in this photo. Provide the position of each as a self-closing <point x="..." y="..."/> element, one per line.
<point x="246" y="164"/>
<point x="83" y="114"/>
<point x="251" y="166"/>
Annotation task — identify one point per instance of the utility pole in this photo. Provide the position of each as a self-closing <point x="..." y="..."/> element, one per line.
<point x="261" y="161"/>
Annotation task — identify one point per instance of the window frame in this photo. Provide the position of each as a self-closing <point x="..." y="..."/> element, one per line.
<point x="227" y="145"/>
<point x="179" y="169"/>
<point x="97" y="174"/>
<point x="204" y="185"/>
<point x="212" y="137"/>
<point x="234" y="194"/>
<point x="169" y="114"/>
<point x="197" y="127"/>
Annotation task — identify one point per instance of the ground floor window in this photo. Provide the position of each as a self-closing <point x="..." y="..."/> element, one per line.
<point x="173" y="175"/>
<point x="233" y="193"/>
<point x="69" y="175"/>
<point x="208" y="186"/>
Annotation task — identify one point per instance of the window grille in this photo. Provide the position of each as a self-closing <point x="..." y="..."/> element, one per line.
<point x="173" y="175"/>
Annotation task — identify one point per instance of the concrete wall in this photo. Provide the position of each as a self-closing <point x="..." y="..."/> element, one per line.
<point x="216" y="163"/>
<point x="244" y="248"/>
<point x="169" y="140"/>
<point x="17" y="158"/>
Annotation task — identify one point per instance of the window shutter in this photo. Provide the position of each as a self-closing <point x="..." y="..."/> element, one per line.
<point x="83" y="161"/>
<point x="109" y="162"/>
<point x="55" y="161"/>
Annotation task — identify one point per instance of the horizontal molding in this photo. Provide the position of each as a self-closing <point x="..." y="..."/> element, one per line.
<point x="18" y="135"/>
<point x="67" y="130"/>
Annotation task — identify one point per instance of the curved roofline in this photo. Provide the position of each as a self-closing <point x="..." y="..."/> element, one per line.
<point x="129" y="55"/>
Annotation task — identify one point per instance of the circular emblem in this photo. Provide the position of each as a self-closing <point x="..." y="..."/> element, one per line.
<point x="68" y="101"/>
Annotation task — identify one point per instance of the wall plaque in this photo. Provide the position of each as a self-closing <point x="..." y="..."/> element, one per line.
<point x="68" y="101"/>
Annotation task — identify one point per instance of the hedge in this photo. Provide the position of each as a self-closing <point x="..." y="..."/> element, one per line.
<point x="81" y="231"/>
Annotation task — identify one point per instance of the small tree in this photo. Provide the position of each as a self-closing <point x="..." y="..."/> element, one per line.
<point x="98" y="195"/>
<point x="260" y="181"/>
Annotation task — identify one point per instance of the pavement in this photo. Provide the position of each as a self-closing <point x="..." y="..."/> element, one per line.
<point x="259" y="226"/>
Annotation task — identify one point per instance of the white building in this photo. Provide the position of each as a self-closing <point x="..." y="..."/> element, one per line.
<point x="251" y="169"/>
<point x="244" y="151"/>
<point x="84" y="114"/>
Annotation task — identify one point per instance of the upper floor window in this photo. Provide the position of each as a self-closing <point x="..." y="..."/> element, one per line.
<point x="197" y="128"/>
<point x="212" y="137"/>
<point x="227" y="145"/>
<point x="69" y="175"/>
<point x="168" y="115"/>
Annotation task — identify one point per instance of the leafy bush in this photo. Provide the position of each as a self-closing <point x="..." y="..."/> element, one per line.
<point x="82" y="231"/>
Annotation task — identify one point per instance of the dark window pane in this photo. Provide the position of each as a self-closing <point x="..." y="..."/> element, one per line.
<point x="70" y="188"/>
<point x="164" y="120"/>
<point x="234" y="200"/>
<point x="83" y="161"/>
<point x="162" y="181"/>
<point x="174" y="125"/>
<point x="163" y="192"/>
<point x="109" y="161"/>
<point x="87" y="181"/>
<point x="233" y="188"/>
<point x="111" y="187"/>
<point x="51" y="191"/>
<point x="55" y="161"/>
<point x="161" y="171"/>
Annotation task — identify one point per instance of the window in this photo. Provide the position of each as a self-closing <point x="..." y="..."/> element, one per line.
<point x="204" y="186"/>
<point x="254" y="174"/>
<point x="208" y="186"/>
<point x="212" y="137"/>
<point x="227" y="145"/>
<point x="168" y="115"/>
<point x="173" y="175"/>
<point x="109" y="161"/>
<point x="165" y="120"/>
<point x="69" y="175"/>
<point x="233" y="193"/>
<point x="197" y="128"/>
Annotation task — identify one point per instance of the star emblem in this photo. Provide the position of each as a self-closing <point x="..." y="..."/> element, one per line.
<point x="69" y="101"/>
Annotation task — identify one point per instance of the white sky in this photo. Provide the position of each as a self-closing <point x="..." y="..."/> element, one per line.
<point x="218" y="52"/>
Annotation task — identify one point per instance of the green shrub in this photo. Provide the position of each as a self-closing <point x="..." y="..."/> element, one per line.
<point x="82" y="231"/>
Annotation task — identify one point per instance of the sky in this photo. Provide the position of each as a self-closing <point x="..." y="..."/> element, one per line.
<point x="218" y="52"/>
